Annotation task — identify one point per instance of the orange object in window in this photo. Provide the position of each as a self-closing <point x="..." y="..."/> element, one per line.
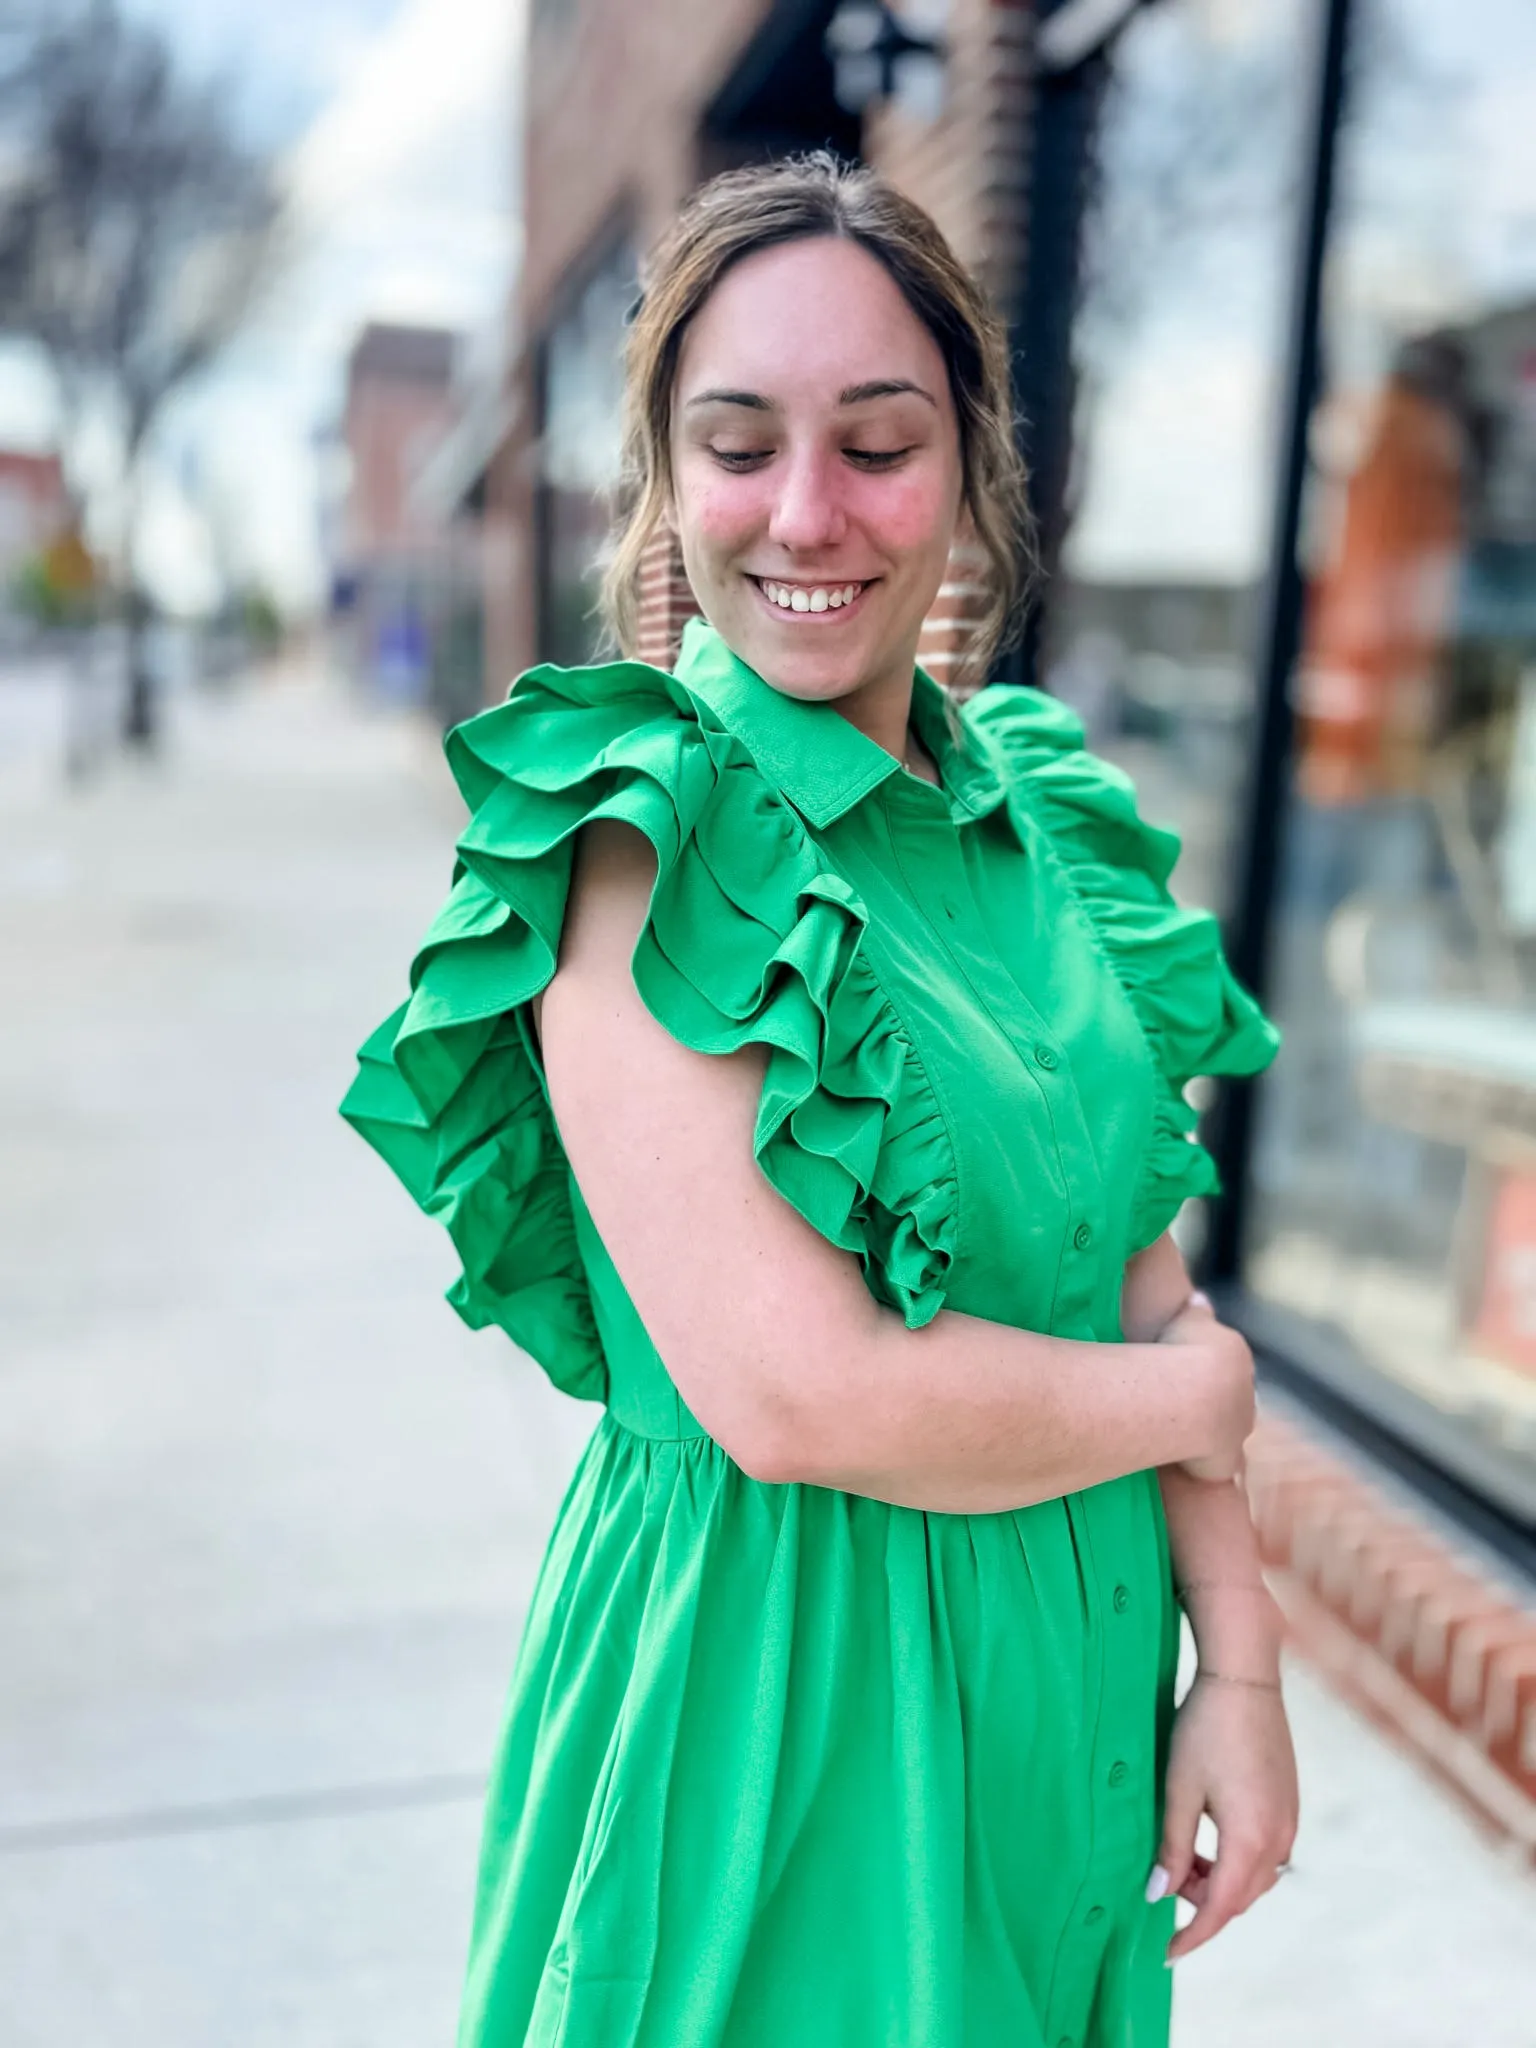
<point x="1379" y="612"/>
<point x="1506" y="1320"/>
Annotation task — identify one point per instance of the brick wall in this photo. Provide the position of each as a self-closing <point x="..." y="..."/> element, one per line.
<point x="1424" y="1642"/>
<point x="615" y="97"/>
<point x="391" y="427"/>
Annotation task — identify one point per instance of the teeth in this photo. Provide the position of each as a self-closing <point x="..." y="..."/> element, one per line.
<point x="791" y="597"/>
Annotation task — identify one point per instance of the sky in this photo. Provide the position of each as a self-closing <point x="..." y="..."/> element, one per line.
<point x="393" y="123"/>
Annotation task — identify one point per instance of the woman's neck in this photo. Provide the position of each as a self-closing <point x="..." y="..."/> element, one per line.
<point x="882" y="711"/>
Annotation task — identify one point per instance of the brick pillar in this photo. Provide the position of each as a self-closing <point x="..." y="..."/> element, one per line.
<point x="969" y="168"/>
<point x="667" y="601"/>
<point x="947" y="629"/>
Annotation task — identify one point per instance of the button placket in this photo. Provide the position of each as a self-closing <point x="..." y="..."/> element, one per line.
<point x="1049" y="1060"/>
<point x="931" y="858"/>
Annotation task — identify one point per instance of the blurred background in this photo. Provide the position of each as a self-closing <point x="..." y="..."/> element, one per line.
<point x="310" y="331"/>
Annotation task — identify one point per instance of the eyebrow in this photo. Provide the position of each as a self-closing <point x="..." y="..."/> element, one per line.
<point x="753" y="400"/>
<point x="851" y="394"/>
<point x="884" y="387"/>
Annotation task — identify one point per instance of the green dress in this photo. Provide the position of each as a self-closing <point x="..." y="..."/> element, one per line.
<point x="785" y="1767"/>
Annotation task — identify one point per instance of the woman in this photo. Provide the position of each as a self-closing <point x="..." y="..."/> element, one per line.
<point x="798" y="1065"/>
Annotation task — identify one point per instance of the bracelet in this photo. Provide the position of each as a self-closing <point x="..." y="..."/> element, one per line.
<point x="1227" y="1678"/>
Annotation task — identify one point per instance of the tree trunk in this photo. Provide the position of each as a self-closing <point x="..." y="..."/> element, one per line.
<point x="141" y="709"/>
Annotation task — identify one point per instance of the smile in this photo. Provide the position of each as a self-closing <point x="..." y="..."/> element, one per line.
<point x="810" y="599"/>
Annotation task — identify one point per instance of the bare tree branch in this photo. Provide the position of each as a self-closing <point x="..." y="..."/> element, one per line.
<point x="136" y="231"/>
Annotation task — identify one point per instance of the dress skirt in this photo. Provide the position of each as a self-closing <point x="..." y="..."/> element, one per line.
<point x="784" y="1765"/>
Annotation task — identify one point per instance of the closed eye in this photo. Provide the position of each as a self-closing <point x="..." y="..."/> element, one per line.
<point x="877" y="458"/>
<point x="741" y="459"/>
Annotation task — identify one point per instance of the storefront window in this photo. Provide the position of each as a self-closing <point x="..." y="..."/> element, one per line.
<point x="1394" y="1219"/>
<point x="1176" y="351"/>
<point x="583" y="388"/>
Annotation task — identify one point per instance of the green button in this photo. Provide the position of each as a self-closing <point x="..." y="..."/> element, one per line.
<point x="1045" y="1056"/>
<point x="1118" y="1773"/>
<point x="1094" y="1915"/>
<point x="1082" y="1237"/>
<point x="1122" y="1598"/>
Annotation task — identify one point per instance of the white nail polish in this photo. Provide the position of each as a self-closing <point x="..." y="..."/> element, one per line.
<point x="1157" y="1884"/>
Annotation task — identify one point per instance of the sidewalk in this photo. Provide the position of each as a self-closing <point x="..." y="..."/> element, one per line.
<point x="269" y="1514"/>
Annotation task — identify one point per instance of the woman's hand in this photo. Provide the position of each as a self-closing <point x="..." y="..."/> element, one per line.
<point x="1230" y="1757"/>
<point x="1233" y="1417"/>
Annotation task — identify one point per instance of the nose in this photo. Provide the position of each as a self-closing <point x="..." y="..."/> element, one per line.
<point x="808" y="511"/>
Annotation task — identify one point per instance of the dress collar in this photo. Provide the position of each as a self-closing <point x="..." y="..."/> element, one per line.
<point x="822" y="763"/>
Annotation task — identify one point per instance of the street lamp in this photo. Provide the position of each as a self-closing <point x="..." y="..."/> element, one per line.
<point x="879" y="53"/>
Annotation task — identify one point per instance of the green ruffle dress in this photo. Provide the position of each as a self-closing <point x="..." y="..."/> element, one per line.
<point x="785" y="1767"/>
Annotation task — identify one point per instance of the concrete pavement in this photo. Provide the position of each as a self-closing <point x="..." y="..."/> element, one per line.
<point x="269" y="1514"/>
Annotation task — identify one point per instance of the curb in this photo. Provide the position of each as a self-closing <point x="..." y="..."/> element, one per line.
<point x="1428" y="1648"/>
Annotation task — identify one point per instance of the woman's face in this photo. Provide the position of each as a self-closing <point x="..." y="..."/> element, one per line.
<point x="816" y="468"/>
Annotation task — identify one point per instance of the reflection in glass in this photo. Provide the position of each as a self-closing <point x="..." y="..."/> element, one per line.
<point x="1396" y="1169"/>
<point x="1176" y="350"/>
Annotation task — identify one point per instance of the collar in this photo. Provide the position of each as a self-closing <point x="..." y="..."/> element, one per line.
<point x="823" y="764"/>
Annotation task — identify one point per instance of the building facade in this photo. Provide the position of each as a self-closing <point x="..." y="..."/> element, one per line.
<point x="410" y="543"/>
<point x="34" y="506"/>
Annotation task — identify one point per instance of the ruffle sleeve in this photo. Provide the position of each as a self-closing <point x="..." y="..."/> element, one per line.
<point x="751" y="938"/>
<point x="1168" y="958"/>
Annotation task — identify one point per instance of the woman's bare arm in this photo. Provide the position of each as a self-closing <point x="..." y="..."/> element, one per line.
<point x="1211" y="1535"/>
<point x="768" y="1331"/>
<point x="1231" y="1756"/>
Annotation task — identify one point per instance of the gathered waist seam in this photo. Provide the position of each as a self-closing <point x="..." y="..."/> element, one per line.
<point x="645" y="1436"/>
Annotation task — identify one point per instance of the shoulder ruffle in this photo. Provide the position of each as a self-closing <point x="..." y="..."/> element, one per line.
<point x="752" y="938"/>
<point x="1196" y="1017"/>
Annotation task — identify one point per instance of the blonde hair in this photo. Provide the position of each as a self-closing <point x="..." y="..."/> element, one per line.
<point x="795" y="199"/>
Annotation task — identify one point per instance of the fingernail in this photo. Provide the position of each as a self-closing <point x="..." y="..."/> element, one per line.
<point x="1157" y="1884"/>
